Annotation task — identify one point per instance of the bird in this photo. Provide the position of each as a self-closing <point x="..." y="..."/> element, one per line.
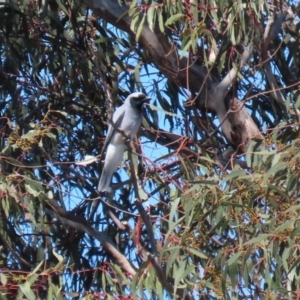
<point x="126" y="121"/>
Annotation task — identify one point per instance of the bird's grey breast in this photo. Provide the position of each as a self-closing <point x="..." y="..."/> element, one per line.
<point x="131" y="122"/>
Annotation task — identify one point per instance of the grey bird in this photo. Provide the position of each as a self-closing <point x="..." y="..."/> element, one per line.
<point x="127" y="120"/>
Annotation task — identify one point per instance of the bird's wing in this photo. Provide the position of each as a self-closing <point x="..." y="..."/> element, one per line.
<point x="117" y="119"/>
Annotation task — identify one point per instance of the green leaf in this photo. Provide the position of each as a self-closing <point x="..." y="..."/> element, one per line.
<point x="6" y="206"/>
<point x="158" y="289"/>
<point x="278" y="191"/>
<point x="293" y="208"/>
<point x="3" y="279"/>
<point x="281" y="166"/>
<point x="284" y="226"/>
<point x="34" y="184"/>
<point x="151" y="15"/>
<point x="134" y="20"/>
<point x="61" y="112"/>
<point x="26" y="290"/>
<point x="62" y="7"/>
<point x="32" y="278"/>
<point x="13" y="162"/>
<point x="184" y="166"/>
<point x="253" y="155"/>
<point x="58" y="256"/>
<point x="120" y="273"/>
<point x="153" y="107"/>
<point x="72" y="295"/>
<point x="236" y="174"/>
<point x="222" y="62"/>
<point x="258" y="239"/>
<point x="197" y="253"/>
<point x="205" y="182"/>
<point x="51" y="135"/>
<point x="161" y="21"/>
<point x="178" y="274"/>
<point x="292" y="184"/>
<point x="295" y="264"/>
<point x="186" y="48"/>
<point x="31" y="191"/>
<point x="140" y="28"/>
<point x="173" y="211"/>
<point x="37" y="267"/>
<point x="171" y="259"/>
<point x="50" y="294"/>
<point x="174" y="19"/>
<point x="172" y="226"/>
<point x="285" y="255"/>
<point x="232" y="34"/>
<point x="234" y="258"/>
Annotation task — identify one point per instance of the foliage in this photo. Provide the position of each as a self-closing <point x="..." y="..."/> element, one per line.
<point x="191" y="223"/>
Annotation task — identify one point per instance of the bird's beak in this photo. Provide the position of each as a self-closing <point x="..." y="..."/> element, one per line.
<point x="146" y="99"/>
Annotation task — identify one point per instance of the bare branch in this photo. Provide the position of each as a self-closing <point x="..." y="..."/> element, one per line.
<point x="148" y="225"/>
<point x="81" y="224"/>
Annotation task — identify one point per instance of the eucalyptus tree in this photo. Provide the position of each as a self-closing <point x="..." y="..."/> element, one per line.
<point x="205" y="204"/>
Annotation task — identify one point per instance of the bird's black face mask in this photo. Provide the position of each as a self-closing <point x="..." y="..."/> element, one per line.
<point x="138" y="102"/>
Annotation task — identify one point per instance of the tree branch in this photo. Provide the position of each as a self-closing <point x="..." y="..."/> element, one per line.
<point x="81" y="224"/>
<point x="273" y="27"/>
<point x="180" y="71"/>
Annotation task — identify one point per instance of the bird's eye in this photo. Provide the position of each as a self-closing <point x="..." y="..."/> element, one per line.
<point x="138" y="98"/>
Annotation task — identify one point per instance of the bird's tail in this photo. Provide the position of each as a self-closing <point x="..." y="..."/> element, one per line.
<point x="104" y="182"/>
